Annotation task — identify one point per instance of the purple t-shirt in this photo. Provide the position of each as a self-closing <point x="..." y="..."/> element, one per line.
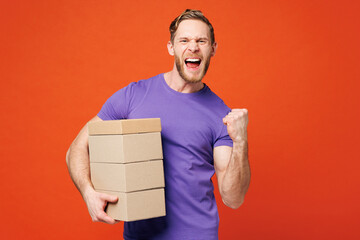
<point x="191" y="127"/>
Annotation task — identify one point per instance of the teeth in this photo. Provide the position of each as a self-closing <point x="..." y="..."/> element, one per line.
<point x="193" y="60"/>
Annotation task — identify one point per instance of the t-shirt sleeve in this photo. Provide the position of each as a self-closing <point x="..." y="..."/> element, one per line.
<point x="117" y="106"/>
<point x="223" y="138"/>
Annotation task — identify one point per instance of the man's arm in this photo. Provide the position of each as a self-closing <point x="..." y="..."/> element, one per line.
<point x="231" y="164"/>
<point x="77" y="159"/>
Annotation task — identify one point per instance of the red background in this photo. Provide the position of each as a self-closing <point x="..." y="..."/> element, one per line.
<point x="293" y="64"/>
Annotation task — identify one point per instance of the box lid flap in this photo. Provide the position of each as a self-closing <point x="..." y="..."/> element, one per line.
<point x="125" y="126"/>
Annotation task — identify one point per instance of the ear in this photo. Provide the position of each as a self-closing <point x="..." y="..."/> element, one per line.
<point x="170" y="48"/>
<point x="214" y="47"/>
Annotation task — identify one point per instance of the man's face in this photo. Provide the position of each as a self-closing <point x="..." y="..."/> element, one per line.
<point x="192" y="50"/>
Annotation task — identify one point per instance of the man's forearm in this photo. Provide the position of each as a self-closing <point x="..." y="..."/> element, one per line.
<point x="77" y="159"/>
<point x="236" y="180"/>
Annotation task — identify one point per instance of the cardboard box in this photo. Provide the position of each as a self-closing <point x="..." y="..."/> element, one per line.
<point x="125" y="148"/>
<point x="126" y="161"/>
<point x="127" y="177"/>
<point x="125" y="126"/>
<point x="137" y="205"/>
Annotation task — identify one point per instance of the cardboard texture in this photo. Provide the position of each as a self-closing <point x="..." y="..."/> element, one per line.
<point x="127" y="177"/>
<point x="137" y="205"/>
<point x="125" y="148"/>
<point x="125" y="126"/>
<point x="126" y="161"/>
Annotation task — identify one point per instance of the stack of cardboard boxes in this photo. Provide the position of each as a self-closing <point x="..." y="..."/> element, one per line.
<point x="126" y="161"/>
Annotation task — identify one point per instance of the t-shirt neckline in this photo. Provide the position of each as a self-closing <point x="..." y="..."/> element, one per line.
<point x="164" y="83"/>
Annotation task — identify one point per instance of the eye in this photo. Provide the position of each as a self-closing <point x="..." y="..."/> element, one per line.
<point x="183" y="40"/>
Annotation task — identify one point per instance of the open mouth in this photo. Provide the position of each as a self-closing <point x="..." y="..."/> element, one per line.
<point x="192" y="62"/>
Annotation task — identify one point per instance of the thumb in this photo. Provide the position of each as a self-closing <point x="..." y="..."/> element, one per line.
<point x="109" y="198"/>
<point x="225" y="121"/>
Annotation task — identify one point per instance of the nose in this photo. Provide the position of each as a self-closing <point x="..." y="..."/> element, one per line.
<point x="193" y="46"/>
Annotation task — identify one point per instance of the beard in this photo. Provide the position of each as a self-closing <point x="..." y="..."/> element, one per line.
<point x="195" y="78"/>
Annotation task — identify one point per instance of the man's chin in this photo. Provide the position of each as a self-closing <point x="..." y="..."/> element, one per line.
<point x="192" y="78"/>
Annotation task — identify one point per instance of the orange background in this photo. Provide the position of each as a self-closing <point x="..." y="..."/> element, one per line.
<point x="293" y="64"/>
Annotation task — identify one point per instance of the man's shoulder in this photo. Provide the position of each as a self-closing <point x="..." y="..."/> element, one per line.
<point x="138" y="87"/>
<point x="216" y="100"/>
<point x="148" y="81"/>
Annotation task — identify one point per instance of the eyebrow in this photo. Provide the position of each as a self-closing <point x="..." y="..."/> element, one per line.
<point x="196" y="38"/>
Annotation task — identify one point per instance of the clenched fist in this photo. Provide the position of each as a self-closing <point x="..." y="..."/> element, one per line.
<point x="236" y="122"/>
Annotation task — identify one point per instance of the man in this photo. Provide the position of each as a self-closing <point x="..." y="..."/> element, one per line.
<point x="200" y="135"/>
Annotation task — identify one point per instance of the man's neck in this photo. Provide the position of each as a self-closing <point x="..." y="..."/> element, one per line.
<point x="176" y="82"/>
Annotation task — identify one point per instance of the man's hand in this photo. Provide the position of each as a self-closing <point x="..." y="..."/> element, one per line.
<point x="236" y="122"/>
<point x="96" y="203"/>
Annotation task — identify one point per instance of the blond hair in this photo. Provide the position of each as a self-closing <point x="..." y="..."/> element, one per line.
<point x="190" y="14"/>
